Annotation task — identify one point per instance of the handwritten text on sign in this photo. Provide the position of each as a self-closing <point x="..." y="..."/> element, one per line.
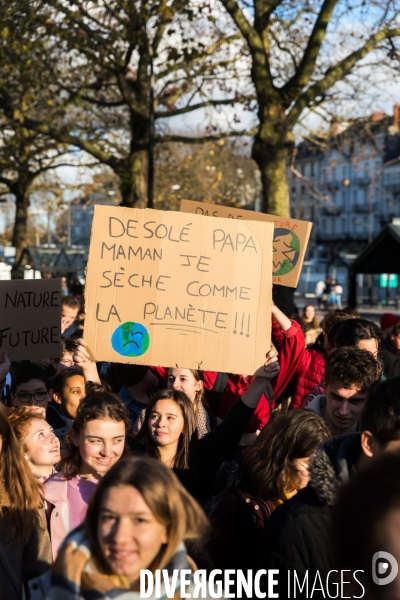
<point x="30" y="318"/>
<point x="167" y="288"/>
<point x="290" y="237"/>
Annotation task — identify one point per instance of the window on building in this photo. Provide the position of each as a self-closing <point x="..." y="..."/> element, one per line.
<point x="343" y="225"/>
<point x="323" y="223"/>
<point x="355" y="197"/>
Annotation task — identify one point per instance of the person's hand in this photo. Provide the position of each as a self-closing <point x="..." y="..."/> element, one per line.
<point x="81" y="356"/>
<point x="82" y="359"/>
<point x="271" y="356"/>
<point x="271" y="366"/>
<point x="65" y="323"/>
<point x="4" y="367"/>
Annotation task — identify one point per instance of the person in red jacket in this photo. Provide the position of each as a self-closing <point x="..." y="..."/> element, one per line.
<point x="300" y="368"/>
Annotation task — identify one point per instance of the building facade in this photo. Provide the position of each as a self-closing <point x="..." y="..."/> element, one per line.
<point x="348" y="185"/>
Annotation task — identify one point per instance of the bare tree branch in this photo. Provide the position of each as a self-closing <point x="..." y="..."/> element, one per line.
<point x="306" y="68"/>
<point x="209" y="138"/>
<point x="337" y="73"/>
<point x="186" y="109"/>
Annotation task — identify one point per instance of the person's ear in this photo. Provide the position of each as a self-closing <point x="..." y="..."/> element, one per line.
<point x="57" y="398"/>
<point x="198" y="385"/>
<point x="13" y="398"/>
<point x="369" y="445"/>
<point x="50" y="392"/>
<point x="165" y="537"/>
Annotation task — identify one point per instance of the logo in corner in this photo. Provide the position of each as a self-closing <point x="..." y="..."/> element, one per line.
<point x="381" y="561"/>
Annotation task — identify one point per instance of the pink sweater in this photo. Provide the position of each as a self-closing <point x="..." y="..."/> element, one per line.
<point x="67" y="502"/>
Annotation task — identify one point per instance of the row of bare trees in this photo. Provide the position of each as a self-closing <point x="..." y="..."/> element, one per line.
<point x="92" y="77"/>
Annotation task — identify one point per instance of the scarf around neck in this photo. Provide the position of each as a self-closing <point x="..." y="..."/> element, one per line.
<point x="75" y="576"/>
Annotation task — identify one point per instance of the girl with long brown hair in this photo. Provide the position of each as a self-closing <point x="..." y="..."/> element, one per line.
<point x="94" y="444"/>
<point x="273" y="469"/>
<point x="23" y="555"/>
<point x="191" y="382"/>
<point x="169" y="433"/>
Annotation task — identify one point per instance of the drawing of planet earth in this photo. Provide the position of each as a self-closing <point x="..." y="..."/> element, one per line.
<point x="130" y="339"/>
<point x="286" y="251"/>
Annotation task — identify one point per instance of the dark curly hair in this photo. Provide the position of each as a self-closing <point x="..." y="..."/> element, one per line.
<point x="352" y="366"/>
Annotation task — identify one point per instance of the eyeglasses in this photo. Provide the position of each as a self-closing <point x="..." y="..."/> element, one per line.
<point x="25" y="397"/>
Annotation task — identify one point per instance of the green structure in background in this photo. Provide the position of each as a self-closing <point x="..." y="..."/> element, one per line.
<point x="388" y="280"/>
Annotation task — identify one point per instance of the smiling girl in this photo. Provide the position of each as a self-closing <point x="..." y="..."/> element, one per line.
<point x="169" y="433"/>
<point x="95" y="443"/>
<point x="138" y="518"/>
<point x="40" y="445"/>
<point x="191" y="382"/>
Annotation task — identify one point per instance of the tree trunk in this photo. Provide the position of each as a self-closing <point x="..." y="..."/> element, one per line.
<point x="132" y="174"/>
<point x="19" y="239"/>
<point x="272" y="162"/>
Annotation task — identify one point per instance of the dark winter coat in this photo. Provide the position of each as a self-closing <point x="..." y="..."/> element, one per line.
<point x="212" y="450"/>
<point x="239" y="522"/>
<point x="299" y="536"/>
<point x="19" y="563"/>
<point x="389" y="359"/>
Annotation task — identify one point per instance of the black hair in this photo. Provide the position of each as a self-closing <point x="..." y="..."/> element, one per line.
<point x="382" y="413"/>
<point x="396" y="330"/>
<point x="352" y="331"/>
<point x="62" y="378"/>
<point x="26" y="372"/>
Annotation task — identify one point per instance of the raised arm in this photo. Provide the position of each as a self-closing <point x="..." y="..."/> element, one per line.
<point x="283" y="321"/>
<point x="88" y="366"/>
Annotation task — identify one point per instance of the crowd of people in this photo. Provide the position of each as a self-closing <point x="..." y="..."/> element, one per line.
<point x="109" y="469"/>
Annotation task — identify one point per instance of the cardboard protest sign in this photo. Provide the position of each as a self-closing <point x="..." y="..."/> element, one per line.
<point x="30" y="318"/>
<point x="290" y="237"/>
<point x="169" y="289"/>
